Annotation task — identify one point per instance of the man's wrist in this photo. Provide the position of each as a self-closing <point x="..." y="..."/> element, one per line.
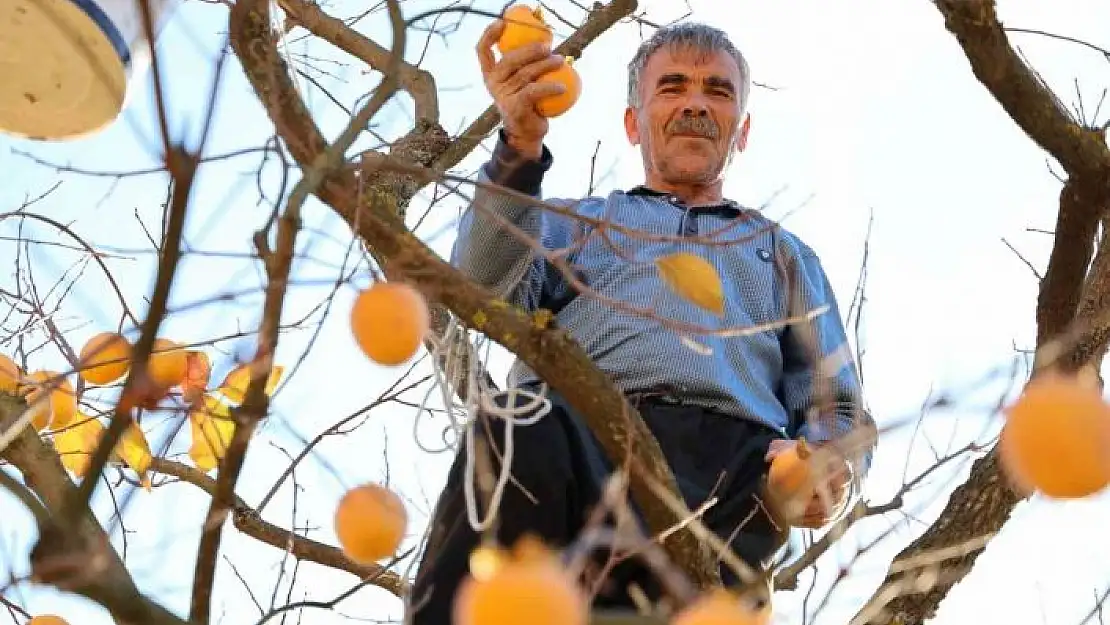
<point x="529" y="149"/>
<point x="513" y="169"/>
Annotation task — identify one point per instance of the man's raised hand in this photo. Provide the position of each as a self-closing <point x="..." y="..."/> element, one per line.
<point x="513" y="85"/>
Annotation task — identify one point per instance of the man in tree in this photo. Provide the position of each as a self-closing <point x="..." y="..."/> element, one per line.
<point x="720" y="415"/>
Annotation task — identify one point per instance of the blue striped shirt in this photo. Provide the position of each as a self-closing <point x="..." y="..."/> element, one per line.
<point x="766" y="376"/>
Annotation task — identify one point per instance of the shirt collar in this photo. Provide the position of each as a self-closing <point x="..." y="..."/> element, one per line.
<point x="727" y="208"/>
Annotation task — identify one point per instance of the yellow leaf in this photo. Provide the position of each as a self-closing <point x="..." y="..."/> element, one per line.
<point x="211" y="427"/>
<point x="134" y="450"/>
<point x="694" y="279"/>
<point x="200" y="451"/>
<point x="212" y="407"/>
<point x="235" y="384"/>
<point x="76" y="444"/>
<point x="63" y="402"/>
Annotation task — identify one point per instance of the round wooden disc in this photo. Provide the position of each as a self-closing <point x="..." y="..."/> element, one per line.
<point x="64" y="68"/>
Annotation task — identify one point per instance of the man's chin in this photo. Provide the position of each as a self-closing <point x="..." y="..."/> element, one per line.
<point x="691" y="171"/>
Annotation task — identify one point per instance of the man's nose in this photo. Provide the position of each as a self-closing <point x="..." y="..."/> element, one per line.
<point x="694" y="109"/>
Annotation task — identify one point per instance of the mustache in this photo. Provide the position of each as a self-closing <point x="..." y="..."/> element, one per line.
<point x="700" y="126"/>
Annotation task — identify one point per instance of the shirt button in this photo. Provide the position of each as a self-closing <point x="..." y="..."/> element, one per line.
<point x="763" y="254"/>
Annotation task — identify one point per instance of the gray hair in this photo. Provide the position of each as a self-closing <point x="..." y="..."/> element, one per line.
<point x="700" y="37"/>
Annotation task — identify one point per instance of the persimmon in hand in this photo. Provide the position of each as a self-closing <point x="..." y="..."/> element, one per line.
<point x="567" y="76"/>
<point x="523" y="25"/>
<point x="792" y="481"/>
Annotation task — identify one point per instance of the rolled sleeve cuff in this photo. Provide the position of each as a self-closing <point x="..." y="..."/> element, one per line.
<point x="510" y="169"/>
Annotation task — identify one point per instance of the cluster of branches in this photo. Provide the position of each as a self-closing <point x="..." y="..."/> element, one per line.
<point x="371" y="194"/>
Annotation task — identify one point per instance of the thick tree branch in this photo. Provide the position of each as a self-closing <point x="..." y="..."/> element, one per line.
<point x="75" y="554"/>
<point x="1070" y="300"/>
<point x="1092" y="319"/>
<point x="551" y="353"/>
<point x="1058" y="300"/>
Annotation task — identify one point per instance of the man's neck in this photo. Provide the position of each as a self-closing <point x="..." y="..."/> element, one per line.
<point x="691" y="194"/>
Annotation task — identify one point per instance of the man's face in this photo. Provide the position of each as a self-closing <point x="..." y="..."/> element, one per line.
<point x="688" y="123"/>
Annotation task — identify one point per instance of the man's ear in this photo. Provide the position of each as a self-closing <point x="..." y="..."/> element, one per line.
<point x="742" y="136"/>
<point x="631" y="126"/>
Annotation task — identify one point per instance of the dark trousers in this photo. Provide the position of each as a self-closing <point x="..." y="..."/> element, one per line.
<point x="561" y="464"/>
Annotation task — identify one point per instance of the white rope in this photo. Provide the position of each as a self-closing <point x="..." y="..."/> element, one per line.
<point x="480" y="399"/>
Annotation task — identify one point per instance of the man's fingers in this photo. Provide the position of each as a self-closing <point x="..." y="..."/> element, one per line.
<point x="485" y="45"/>
<point x="816" y="515"/>
<point x="813" y="522"/>
<point x="514" y="60"/>
<point x="778" y="446"/>
<point x="539" y="90"/>
<point x="532" y="71"/>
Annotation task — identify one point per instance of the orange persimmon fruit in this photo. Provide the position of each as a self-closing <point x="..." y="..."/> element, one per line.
<point x="566" y="75"/>
<point x="105" y="358"/>
<point x="1056" y="438"/>
<point x="527" y="585"/>
<point x="389" y="321"/>
<point x="523" y="25"/>
<point x="370" y="522"/>
<point x="168" y="364"/>
<point x="721" y="607"/>
<point x="792" y="481"/>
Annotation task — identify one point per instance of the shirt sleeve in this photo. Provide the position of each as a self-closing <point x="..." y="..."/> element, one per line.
<point x="821" y="345"/>
<point x="496" y="257"/>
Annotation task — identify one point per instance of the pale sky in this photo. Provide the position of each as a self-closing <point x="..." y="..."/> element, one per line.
<point x="876" y="112"/>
